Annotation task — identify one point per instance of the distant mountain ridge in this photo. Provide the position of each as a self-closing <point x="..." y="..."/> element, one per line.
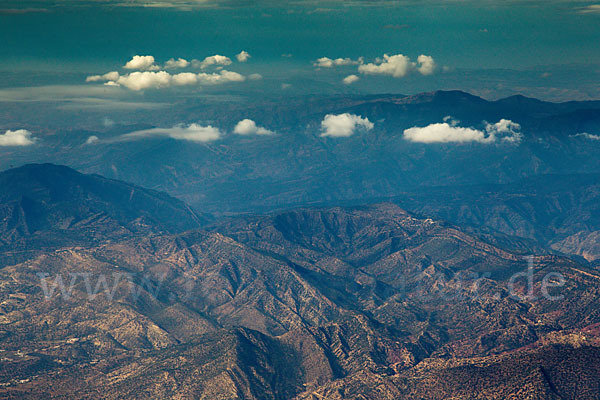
<point x="51" y="205"/>
<point x="296" y="166"/>
<point x="559" y="211"/>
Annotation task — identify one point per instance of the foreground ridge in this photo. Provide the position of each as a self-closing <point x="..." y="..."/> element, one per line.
<point x="342" y="303"/>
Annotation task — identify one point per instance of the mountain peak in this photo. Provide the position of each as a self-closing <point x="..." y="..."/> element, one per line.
<point x="42" y="199"/>
<point x="443" y="96"/>
<point x="520" y="99"/>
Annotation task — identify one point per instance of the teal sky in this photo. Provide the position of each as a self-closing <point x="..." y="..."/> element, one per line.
<point x="499" y="44"/>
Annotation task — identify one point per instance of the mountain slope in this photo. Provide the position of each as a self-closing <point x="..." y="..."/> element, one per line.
<point x="308" y="302"/>
<point x="46" y="205"/>
<point x="559" y="211"/>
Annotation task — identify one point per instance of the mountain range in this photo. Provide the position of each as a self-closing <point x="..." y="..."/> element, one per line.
<point x="144" y="297"/>
<point x="296" y="166"/>
<point x="543" y="188"/>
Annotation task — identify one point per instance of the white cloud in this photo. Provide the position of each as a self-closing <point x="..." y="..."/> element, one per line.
<point x="506" y="130"/>
<point x="179" y="63"/>
<point x="141" y="63"/>
<point x="211" y="60"/>
<point x="326" y="62"/>
<point x="443" y="133"/>
<point x="20" y="137"/>
<point x="243" y="56"/>
<point x="248" y="127"/>
<point x="426" y="65"/>
<point x="255" y="77"/>
<point x="145" y="80"/>
<point x="449" y="132"/>
<point x="223" y="76"/>
<point x="184" y="78"/>
<point x="141" y="80"/>
<point x="350" y="79"/>
<point x="192" y="132"/>
<point x="398" y="66"/>
<point x="344" y="125"/>
<point x="109" y="76"/>
<point x="149" y="75"/>
<point x="587" y="136"/>
<point x="92" y="140"/>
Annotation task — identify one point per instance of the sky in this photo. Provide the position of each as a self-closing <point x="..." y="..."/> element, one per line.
<point x="52" y="49"/>
<point x="77" y="73"/>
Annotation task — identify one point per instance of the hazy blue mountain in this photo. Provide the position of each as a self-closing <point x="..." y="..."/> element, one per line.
<point x="51" y="206"/>
<point x="559" y="211"/>
<point x="297" y="166"/>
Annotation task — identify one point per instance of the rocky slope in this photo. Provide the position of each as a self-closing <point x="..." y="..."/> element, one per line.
<point x="559" y="211"/>
<point x="357" y="302"/>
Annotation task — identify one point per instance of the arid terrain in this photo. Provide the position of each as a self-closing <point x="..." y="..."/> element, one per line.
<point x="108" y="290"/>
<point x="300" y="199"/>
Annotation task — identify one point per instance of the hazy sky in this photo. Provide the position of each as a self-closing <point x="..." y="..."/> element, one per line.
<point x="544" y="48"/>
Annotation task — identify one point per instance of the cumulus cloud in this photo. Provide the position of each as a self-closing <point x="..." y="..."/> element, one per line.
<point x="350" y="79"/>
<point x="344" y="125"/>
<point x="149" y="75"/>
<point x="249" y="127"/>
<point x="141" y="80"/>
<point x="426" y="65"/>
<point x="145" y="80"/>
<point x="211" y="60"/>
<point x="398" y="66"/>
<point x="179" y="63"/>
<point x="326" y="62"/>
<point x="449" y="132"/>
<point x="142" y="63"/>
<point x="255" y="77"/>
<point x="586" y="135"/>
<point x="20" y="137"/>
<point x="109" y="76"/>
<point x="184" y="78"/>
<point x="92" y="140"/>
<point x="505" y="130"/>
<point x="192" y="133"/>
<point x="223" y="76"/>
<point x="243" y="56"/>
